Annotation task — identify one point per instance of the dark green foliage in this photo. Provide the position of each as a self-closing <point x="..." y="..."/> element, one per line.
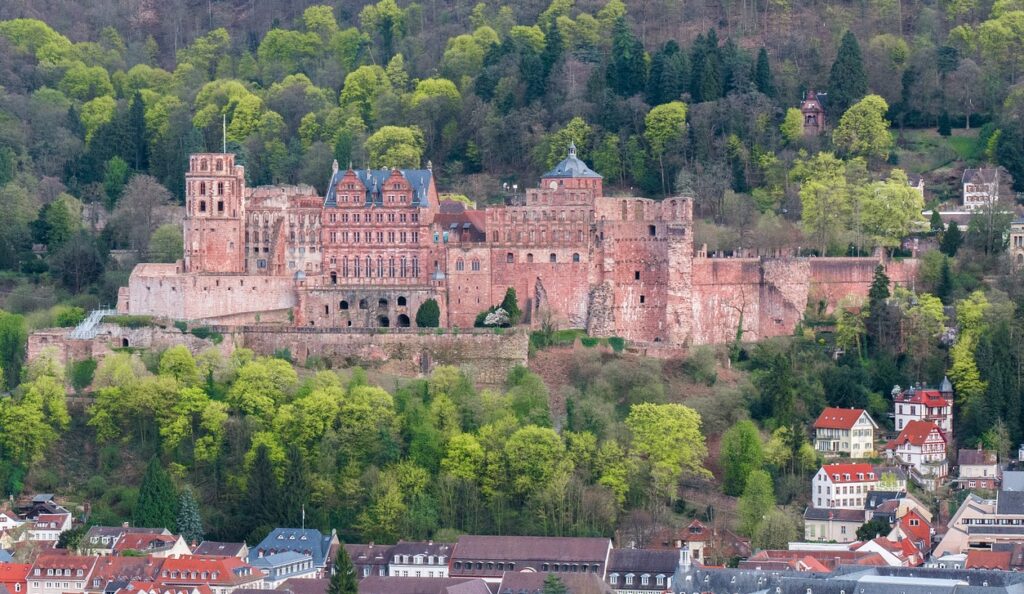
<point x="669" y="74"/>
<point x="343" y="577"/>
<point x="158" y="502"/>
<point x="554" y="585"/>
<point x="877" y="526"/>
<point x="944" y="288"/>
<point x="262" y="506"/>
<point x="847" y="82"/>
<point x="429" y="314"/>
<point x="763" y="74"/>
<point x="81" y="373"/>
<point x="627" y="68"/>
<point x="296" y="485"/>
<point x="618" y="344"/>
<point x="935" y="222"/>
<point x="944" y="126"/>
<point x="79" y="262"/>
<point x="138" y="149"/>
<point x="71" y="539"/>
<point x="1010" y="154"/>
<point x="129" y="321"/>
<point x="741" y="454"/>
<point x="951" y="240"/>
<point x="69" y="316"/>
<point x="554" y="47"/>
<point x="189" y="523"/>
<point x="13" y="339"/>
<point x="511" y="306"/>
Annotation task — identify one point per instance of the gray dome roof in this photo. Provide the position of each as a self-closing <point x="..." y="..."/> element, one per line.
<point x="572" y="166"/>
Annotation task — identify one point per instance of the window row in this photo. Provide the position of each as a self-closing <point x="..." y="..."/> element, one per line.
<point x="531" y="236"/>
<point x="374" y="237"/>
<point x="510" y="258"/>
<point x="356" y="267"/>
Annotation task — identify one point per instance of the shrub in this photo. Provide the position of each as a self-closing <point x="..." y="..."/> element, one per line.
<point x="205" y="333"/>
<point x="66" y="317"/>
<point x="181" y="326"/>
<point x="429" y="314"/>
<point x="618" y="344"/>
<point x="82" y="374"/>
<point x="701" y="366"/>
<point x="284" y="354"/>
<point x="126" y="321"/>
<point x="589" y="341"/>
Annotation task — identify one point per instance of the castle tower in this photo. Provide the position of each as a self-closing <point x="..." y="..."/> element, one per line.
<point x="572" y="174"/>
<point x="214" y="214"/>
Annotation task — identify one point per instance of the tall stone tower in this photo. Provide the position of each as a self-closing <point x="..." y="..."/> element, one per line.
<point x="214" y="214"/>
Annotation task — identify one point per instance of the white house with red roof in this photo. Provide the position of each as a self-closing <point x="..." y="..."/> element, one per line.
<point x="897" y="553"/>
<point x="922" y="404"/>
<point x="914" y="527"/>
<point x="222" y="574"/>
<point x="845" y="432"/>
<point x="843" y="486"/>
<point x="57" y="574"/>
<point x="13" y="577"/>
<point x="48" y="527"/>
<point x="9" y="521"/>
<point x="921" y="447"/>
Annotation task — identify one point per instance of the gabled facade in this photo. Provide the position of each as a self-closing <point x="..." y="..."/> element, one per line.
<point x="984" y="523"/>
<point x="304" y="541"/>
<point x="813" y="113"/>
<point x="922" y="404"/>
<point x="57" y="574"/>
<point x="489" y="557"/>
<point x="9" y="520"/>
<point x="981" y="187"/>
<point x="101" y="540"/>
<point x="14" y="577"/>
<point x="845" y="432"/>
<point x="154" y="545"/>
<point x="48" y="527"/>
<point x="921" y="447"/>
<point x="419" y="559"/>
<point x="223" y="575"/>
<point x="369" y="559"/>
<point x="843" y="486"/>
<point x="977" y="469"/>
<point x="641" y="571"/>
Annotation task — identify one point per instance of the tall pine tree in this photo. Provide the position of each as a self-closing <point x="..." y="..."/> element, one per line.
<point x="157" y="502"/>
<point x="262" y="507"/>
<point x="343" y="576"/>
<point x="296" y="485"/>
<point x="951" y="240"/>
<point x="668" y="76"/>
<point x="763" y="74"/>
<point x="847" y="83"/>
<point x="190" y="523"/>
<point x="139" y="149"/>
<point x="627" y="70"/>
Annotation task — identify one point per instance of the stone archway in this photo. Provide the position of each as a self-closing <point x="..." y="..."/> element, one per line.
<point x="383" y="322"/>
<point x="403" y="321"/>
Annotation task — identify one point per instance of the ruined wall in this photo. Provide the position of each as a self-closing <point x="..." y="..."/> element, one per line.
<point x="361" y="307"/>
<point x="771" y="295"/>
<point x="469" y="286"/>
<point x="160" y="290"/>
<point x="486" y="356"/>
<point x="112" y="336"/>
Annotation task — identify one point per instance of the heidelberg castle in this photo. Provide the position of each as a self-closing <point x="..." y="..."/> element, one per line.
<point x="381" y="243"/>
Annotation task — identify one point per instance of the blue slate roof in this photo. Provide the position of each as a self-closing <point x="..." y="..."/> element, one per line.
<point x="571" y="166"/>
<point x="307" y="542"/>
<point x="279" y="559"/>
<point x="5" y="557"/>
<point x="374" y="180"/>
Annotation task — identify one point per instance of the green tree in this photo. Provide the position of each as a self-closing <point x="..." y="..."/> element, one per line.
<point x="26" y="435"/>
<point x="71" y="539"/>
<point x="763" y="74"/>
<point x="847" y="82"/>
<point x="776" y="531"/>
<point x="388" y="21"/>
<point x="261" y="386"/>
<point x="13" y="340"/>
<point x="178" y="363"/>
<point x="395" y="146"/>
<point x="889" y="209"/>
<point x="951" y="240"/>
<point x="877" y="526"/>
<point x="667" y="439"/>
<point x="863" y="130"/>
<point x="166" y="244"/>
<point x="263" y="503"/>
<point x="668" y="77"/>
<point x="792" y="127"/>
<point x="627" y="69"/>
<point x="757" y="501"/>
<point x="935" y="222"/>
<point x="741" y="454"/>
<point x="158" y="501"/>
<point x="138" y="134"/>
<point x="554" y="585"/>
<point x="428" y="315"/>
<point x="510" y="303"/>
<point x="665" y="126"/>
<point x="824" y="197"/>
<point x="343" y="578"/>
<point x="535" y="456"/>
<point x="189" y="523"/>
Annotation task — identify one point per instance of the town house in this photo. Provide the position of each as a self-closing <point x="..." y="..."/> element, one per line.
<point x="57" y="574"/>
<point x="489" y="557"/>
<point x="419" y="559"/>
<point x="981" y="187"/>
<point x="977" y="469"/>
<point x="921" y="404"/>
<point x="845" y="432"/>
<point x="921" y="447"/>
<point x="843" y="486"/>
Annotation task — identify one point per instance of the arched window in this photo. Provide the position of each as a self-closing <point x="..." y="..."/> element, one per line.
<point x="343" y="305"/>
<point x="459" y="265"/>
<point x="575" y="257"/>
<point x="475" y="265"/>
<point x="220" y="164"/>
<point x="202" y="165"/>
<point x="552" y="258"/>
<point x="529" y="258"/>
<point x="382" y="303"/>
<point x="401" y="301"/>
<point x="363" y="304"/>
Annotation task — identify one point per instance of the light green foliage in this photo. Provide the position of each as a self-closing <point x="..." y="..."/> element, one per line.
<point x="205" y="52"/>
<point x="166" y="244"/>
<point x="667" y="438"/>
<point x="26" y="435"/>
<point x="741" y="454"/>
<point x="305" y="421"/>
<point x="464" y="458"/>
<point x="436" y="89"/>
<point x="792" y="127"/>
<point x="776" y="531"/>
<point x="346" y="46"/>
<point x="535" y="456"/>
<point x="49" y="391"/>
<point x="395" y="146"/>
<point x="850" y="327"/>
<point x="13" y="338"/>
<point x="530" y="37"/>
<point x="890" y="208"/>
<point x="863" y="130"/>
<point x="261" y="386"/>
<point x="556" y="144"/>
<point x="142" y="76"/>
<point x="319" y="19"/>
<point x="757" y="501"/>
<point x="824" y="197"/>
<point x="46" y="363"/>
<point x="97" y="112"/>
<point x="362" y="86"/>
<point x="464" y="55"/>
<point x="665" y="125"/>
<point x="29" y="35"/>
<point x="178" y="363"/>
<point x="83" y="83"/>
<point x="613" y="469"/>
<point x="286" y="51"/>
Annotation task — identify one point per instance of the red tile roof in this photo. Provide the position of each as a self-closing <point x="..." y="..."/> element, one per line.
<point x="921" y="532"/>
<point x="13" y="572"/>
<point x="988" y="560"/>
<point x="915" y="433"/>
<point x="841" y="470"/>
<point x="52" y="560"/>
<point x="838" y="418"/>
<point x="142" y="542"/>
<point x="931" y="398"/>
<point x="188" y="570"/>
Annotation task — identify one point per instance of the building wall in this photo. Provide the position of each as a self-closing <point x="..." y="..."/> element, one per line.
<point x="830" y="531"/>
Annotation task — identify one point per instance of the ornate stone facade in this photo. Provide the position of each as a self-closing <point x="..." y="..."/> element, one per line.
<point x="381" y="243"/>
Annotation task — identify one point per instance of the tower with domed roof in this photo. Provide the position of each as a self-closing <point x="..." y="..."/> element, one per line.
<point x="572" y="174"/>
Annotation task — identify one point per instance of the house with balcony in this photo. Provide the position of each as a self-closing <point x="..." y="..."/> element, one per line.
<point x="845" y="432"/>
<point x="918" y="403"/>
<point x="843" y="486"/>
<point x="921" y="448"/>
<point x="981" y="187"/>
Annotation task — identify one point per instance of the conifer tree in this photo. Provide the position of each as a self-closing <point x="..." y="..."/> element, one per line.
<point x="139" y="151"/>
<point x="190" y="523"/>
<point x="157" y="502"/>
<point x="262" y="505"/>
<point x="847" y="83"/>
<point x="668" y="77"/>
<point x="554" y="47"/>
<point x="343" y="578"/>
<point x="627" y="70"/>
<point x="428" y="315"/>
<point x="763" y="74"/>
<point x="936" y="221"/>
<point x="511" y="306"/>
<point x="879" y="290"/>
<point x="944" y="288"/>
<point x="951" y="240"/>
<point x="554" y="585"/>
<point x="296" y="485"/>
<point x="944" y="124"/>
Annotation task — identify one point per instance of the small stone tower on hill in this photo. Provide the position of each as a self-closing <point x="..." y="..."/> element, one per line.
<point x="214" y="214"/>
